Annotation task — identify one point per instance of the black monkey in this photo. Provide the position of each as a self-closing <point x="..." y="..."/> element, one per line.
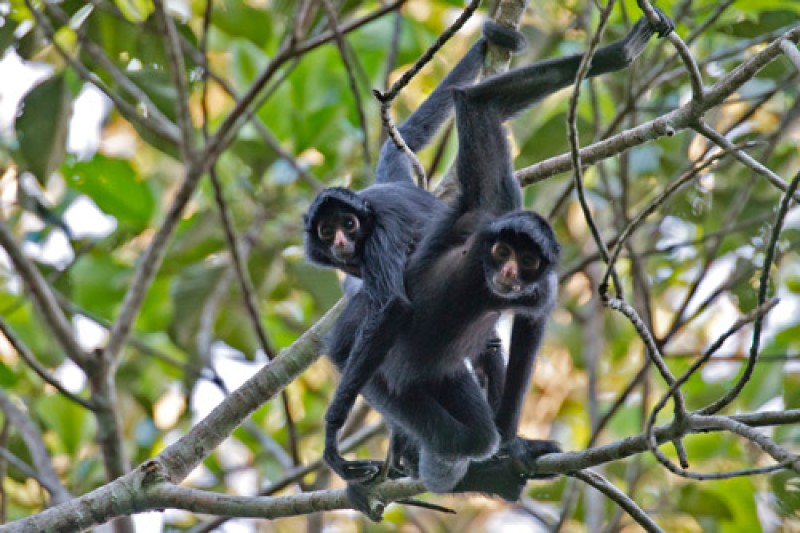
<point x="368" y="234"/>
<point x="483" y="256"/>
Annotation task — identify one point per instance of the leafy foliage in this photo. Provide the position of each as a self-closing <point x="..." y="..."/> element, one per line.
<point x="691" y="270"/>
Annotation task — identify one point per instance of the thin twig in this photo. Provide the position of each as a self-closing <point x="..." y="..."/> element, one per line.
<point x="574" y="143"/>
<point x="663" y="459"/>
<point x="763" y="287"/>
<point x="386" y="98"/>
<point x="721" y="141"/>
<point x="152" y="118"/>
<point x="26" y="354"/>
<point x="177" y="70"/>
<point x="667" y="124"/>
<point x="659" y="200"/>
<point x="43" y="297"/>
<point x="790" y="49"/>
<point x="613" y="493"/>
<point x="347" y="61"/>
<point x="695" y="78"/>
<point x="36" y="448"/>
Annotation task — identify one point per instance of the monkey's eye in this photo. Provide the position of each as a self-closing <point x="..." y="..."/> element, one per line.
<point x="325" y="231"/>
<point x="530" y="261"/>
<point x="350" y="224"/>
<point x="501" y="251"/>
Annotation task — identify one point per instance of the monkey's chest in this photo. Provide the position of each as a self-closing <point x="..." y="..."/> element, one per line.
<point x="431" y="353"/>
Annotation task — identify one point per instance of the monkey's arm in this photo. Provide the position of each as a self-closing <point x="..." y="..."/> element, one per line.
<point x="526" y="337"/>
<point x="375" y="338"/>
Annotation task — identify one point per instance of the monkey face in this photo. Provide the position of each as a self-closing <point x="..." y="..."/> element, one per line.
<point x="514" y="265"/>
<point x="340" y="230"/>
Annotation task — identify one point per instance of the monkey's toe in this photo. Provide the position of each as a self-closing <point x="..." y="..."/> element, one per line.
<point x="361" y="471"/>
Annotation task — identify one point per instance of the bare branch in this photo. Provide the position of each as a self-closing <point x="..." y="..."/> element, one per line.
<point x="720" y="140"/>
<point x="606" y="487"/>
<point x="148" y="487"/>
<point x="791" y="52"/>
<point x="44" y="298"/>
<point x="347" y="61"/>
<point x="177" y="70"/>
<point x="763" y="287"/>
<point x="689" y="63"/>
<point x="663" y="459"/>
<point x="388" y="97"/>
<point x="39" y="454"/>
<point x="37" y="367"/>
<point x="574" y="144"/>
<point x="667" y="124"/>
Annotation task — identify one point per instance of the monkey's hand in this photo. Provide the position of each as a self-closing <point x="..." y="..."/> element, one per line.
<point x="665" y="25"/>
<point x="503" y="36"/>
<point x="636" y="41"/>
<point x="525" y="452"/>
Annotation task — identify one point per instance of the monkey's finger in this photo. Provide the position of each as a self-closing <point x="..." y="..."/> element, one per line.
<point x="666" y="26"/>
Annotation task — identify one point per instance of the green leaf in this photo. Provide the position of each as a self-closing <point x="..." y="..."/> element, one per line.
<point x="7" y="27"/>
<point x="7" y="377"/>
<point x="73" y="424"/>
<point x="791" y="390"/>
<point x="98" y="283"/>
<point x="116" y="189"/>
<point x="785" y="486"/>
<point x="189" y="294"/>
<point x="21" y="317"/>
<point x="699" y="502"/>
<point x="239" y="19"/>
<point x="158" y="87"/>
<point x="42" y="126"/>
<point x="135" y="11"/>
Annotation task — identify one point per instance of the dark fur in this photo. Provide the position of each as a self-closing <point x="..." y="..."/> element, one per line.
<point x="412" y="368"/>
<point x="394" y="213"/>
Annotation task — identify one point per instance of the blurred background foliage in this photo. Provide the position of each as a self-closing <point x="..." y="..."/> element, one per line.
<point x="696" y="259"/>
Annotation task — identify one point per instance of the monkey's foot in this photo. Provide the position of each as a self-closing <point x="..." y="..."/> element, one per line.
<point x="360" y="471"/>
<point x="524" y="453"/>
<point x="495" y="476"/>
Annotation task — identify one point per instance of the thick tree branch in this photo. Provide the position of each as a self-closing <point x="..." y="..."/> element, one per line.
<point x="150" y="486"/>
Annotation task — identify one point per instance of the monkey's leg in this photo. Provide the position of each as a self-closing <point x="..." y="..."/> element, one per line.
<point x="450" y="416"/>
<point x="517" y="89"/>
<point x="375" y="338"/>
